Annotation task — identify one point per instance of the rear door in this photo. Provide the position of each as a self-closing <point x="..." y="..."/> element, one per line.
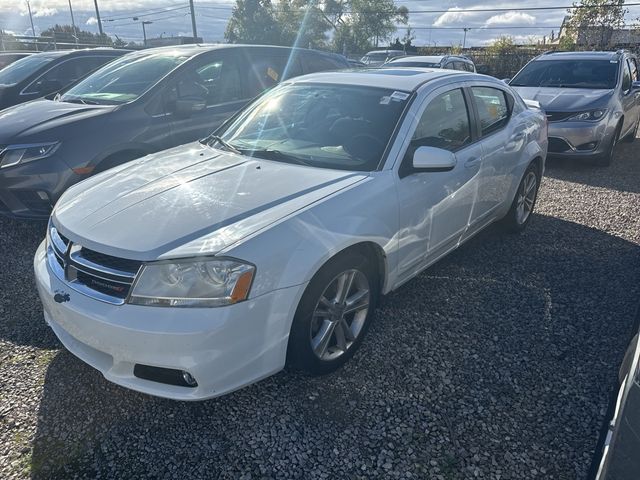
<point x="215" y="85"/>
<point x="503" y="139"/>
<point x="634" y="106"/>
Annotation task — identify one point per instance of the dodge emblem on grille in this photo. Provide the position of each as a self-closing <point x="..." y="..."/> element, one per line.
<point x="61" y="297"/>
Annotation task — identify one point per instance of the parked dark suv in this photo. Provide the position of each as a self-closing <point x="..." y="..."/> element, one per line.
<point x="44" y="73"/>
<point x="141" y="103"/>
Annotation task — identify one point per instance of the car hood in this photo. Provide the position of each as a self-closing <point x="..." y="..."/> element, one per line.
<point x="20" y="122"/>
<point x="186" y="195"/>
<point x="565" y="99"/>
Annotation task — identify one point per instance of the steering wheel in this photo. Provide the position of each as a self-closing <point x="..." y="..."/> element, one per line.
<point x="363" y="146"/>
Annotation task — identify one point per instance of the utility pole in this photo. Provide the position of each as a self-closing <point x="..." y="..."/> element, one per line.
<point x="73" y="24"/>
<point x="33" y="30"/>
<point x="144" y="32"/>
<point x="193" y="21"/>
<point x="464" y="40"/>
<point x="95" y="2"/>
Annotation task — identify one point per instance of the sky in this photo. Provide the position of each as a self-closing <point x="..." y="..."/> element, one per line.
<point x="171" y="17"/>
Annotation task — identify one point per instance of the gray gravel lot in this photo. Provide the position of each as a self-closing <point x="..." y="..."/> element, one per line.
<point x="496" y="363"/>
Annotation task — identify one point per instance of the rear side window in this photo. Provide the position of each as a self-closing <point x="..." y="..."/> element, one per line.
<point x="444" y="123"/>
<point x="493" y="109"/>
<point x="626" y="77"/>
<point x="633" y="65"/>
<point x="459" y="66"/>
<point x="469" y="67"/>
<point x="65" y="73"/>
<point x="267" y="72"/>
<point x="319" y="63"/>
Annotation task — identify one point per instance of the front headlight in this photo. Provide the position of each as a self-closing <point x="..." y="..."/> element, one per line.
<point x="589" y="116"/>
<point x="211" y="282"/>
<point x="15" y="154"/>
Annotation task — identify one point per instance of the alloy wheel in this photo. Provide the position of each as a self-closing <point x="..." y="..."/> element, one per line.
<point x="526" y="197"/>
<point x="340" y="315"/>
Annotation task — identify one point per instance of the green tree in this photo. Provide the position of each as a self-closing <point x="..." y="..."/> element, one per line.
<point x="300" y="23"/>
<point x="67" y="34"/>
<point x="502" y="45"/>
<point x="593" y="21"/>
<point x="361" y="24"/>
<point x="253" y="21"/>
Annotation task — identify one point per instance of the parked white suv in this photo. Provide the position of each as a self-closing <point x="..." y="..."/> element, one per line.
<point x="198" y="270"/>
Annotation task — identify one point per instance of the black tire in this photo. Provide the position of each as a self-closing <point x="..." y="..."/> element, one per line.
<point x="606" y="158"/>
<point x="513" y="221"/>
<point x="630" y="138"/>
<point x="300" y="353"/>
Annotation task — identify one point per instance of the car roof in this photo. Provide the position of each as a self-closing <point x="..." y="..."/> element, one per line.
<point x="403" y="78"/>
<point x="578" y="56"/>
<point x="384" y="51"/>
<point x="420" y="58"/>
<point x="85" y="51"/>
<point x="198" y="48"/>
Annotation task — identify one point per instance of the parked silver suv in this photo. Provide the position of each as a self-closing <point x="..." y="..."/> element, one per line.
<point x="592" y="100"/>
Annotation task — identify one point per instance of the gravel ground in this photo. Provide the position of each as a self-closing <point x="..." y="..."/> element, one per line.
<point x="496" y="363"/>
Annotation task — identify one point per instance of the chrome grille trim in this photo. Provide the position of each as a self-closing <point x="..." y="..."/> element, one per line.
<point x="65" y="261"/>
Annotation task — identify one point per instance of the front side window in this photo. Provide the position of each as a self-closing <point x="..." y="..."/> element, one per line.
<point x="592" y="74"/>
<point x="125" y="79"/>
<point x="21" y="69"/>
<point x="493" y="108"/>
<point x="444" y="123"/>
<point x="329" y="126"/>
<point x="216" y="82"/>
<point x="65" y="73"/>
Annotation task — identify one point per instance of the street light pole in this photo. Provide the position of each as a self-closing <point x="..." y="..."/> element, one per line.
<point x="33" y="30"/>
<point x="95" y="2"/>
<point x="464" y="40"/>
<point x="73" y="24"/>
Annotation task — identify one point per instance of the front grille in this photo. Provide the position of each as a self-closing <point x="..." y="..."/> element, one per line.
<point x="95" y="274"/>
<point x="558" y="116"/>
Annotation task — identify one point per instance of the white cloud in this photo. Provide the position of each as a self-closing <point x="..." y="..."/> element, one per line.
<point x="91" y="21"/>
<point x="511" y="18"/>
<point x="454" y="16"/>
<point x="45" y="12"/>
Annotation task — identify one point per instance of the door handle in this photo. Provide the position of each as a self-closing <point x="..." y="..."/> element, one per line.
<point x="472" y="162"/>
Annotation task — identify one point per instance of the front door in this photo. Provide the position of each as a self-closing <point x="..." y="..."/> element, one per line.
<point x="214" y="87"/>
<point x="435" y="207"/>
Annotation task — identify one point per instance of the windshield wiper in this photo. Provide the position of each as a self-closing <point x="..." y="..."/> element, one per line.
<point x="224" y="143"/>
<point x="79" y="100"/>
<point x="270" y="154"/>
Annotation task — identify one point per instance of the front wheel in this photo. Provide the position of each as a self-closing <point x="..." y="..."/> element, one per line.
<point x="606" y="159"/>
<point x="334" y="314"/>
<point x="523" y="204"/>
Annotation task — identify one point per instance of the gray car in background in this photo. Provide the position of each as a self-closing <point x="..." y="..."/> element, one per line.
<point x="592" y="100"/>
<point x="450" y="62"/>
<point x="141" y="103"/>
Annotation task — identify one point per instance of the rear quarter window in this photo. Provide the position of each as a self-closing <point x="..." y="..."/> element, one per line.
<point x="320" y="63"/>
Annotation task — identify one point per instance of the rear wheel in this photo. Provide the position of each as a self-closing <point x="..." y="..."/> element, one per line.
<point x="334" y="314"/>
<point x="523" y="204"/>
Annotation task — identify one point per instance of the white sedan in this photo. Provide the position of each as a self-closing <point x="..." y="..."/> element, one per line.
<point x="198" y="270"/>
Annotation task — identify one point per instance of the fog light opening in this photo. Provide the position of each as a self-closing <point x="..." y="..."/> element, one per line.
<point x="188" y="379"/>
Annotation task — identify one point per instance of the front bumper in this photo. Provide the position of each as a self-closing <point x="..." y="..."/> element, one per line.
<point x="580" y="139"/>
<point x="223" y="348"/>
<point x="30" y="190"/>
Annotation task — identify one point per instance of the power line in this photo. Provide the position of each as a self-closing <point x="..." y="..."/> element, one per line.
<point x="149" y="13"/>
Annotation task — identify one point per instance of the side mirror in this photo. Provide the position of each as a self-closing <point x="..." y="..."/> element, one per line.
<point x="635" y="86"/>
<point x="431" y="159"/>
<point x="185" y="107"/>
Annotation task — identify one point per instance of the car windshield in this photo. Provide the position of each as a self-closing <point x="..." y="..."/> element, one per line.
<point x="123" y="80"/>
<point x="23" y="68"/>
<point x="329" y="126"/>
<point x="597" y="74"/>
<point x="414" y="64"/>
<point x="374" y="57"/>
